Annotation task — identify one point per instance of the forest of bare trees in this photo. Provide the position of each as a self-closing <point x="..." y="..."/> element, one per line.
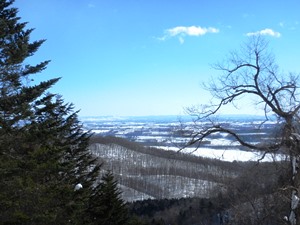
<point x="149" y="173"/>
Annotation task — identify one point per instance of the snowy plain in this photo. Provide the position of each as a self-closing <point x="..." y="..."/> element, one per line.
<point x="158" y="131"/>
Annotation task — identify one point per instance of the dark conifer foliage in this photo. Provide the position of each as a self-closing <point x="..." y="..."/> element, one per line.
<point x="106" y="205"/>
<point x="43" y="148"/>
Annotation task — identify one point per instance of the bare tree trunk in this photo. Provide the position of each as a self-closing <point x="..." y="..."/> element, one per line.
<point x="294" y="217"/>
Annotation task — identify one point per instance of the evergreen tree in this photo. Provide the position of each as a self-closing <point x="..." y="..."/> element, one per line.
<point x="43" y="148"/>
<point x="106" y="205"/>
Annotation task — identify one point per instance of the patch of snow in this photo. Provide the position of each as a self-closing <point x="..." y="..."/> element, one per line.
<point x="78" y="187"/>
<point x="228" y="154"/>
<point x="223" y="141"/>
<point x="99" y="131"/>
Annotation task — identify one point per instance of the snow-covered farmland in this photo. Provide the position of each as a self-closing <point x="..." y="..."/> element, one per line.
<point x="228" y="154"/>
<point x="160" y="132"/>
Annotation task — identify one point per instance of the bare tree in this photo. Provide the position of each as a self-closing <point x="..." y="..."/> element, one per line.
<point x="252" y="72"/>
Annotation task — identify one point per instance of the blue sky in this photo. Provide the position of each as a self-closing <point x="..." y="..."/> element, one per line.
<point x="150" y="57"/>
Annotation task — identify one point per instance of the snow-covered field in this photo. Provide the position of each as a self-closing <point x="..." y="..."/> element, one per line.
<point x="159" y="132"/>
<point x="229" y="155"/>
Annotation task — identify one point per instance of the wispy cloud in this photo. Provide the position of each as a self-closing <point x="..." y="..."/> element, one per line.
<point x="266" y="31"/>
<point x="91" y="5"/>
<point x="182" y="31"/>
<point x="289" y="25"/>
<point x="281" y="24"/>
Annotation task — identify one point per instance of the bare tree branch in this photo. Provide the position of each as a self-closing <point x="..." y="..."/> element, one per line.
<point x="253" y="72"/>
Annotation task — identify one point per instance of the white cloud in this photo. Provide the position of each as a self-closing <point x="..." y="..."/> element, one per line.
<point x="266" y="31"/>
<point x="191" y="31"/>
<point x="182" y="31"/>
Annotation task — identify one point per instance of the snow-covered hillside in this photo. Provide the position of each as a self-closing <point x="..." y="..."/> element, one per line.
<point x="144" y="175"/>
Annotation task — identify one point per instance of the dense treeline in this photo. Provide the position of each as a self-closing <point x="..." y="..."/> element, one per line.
<point x="221" y="210"/>
<point x="184" y="211"/>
